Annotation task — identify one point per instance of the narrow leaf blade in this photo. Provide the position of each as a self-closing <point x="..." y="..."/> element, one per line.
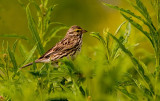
<point x="137" y="64"/>
<point x="13" y="60"/>
<point x="33" y="30"/>
<point x="14" y="36"/>
<point x="29" y="56"/>
<point x="96" y="35"/>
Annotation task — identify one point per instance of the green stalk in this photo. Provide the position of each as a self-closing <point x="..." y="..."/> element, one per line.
<point x="42" y="15"/>
<point x="41" y="20"/>
<point x="158" y="5"/>
<point x="6" y="67"/>
<point x="157" y="73"/>
<point x="157" y="50"/>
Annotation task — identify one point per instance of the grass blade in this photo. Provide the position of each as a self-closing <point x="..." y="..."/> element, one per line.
<point x="53" y="33"/>
<point x="15" y="45"/>
<point x="22" y="50"/>
<point x="14" y="36"/>
<point x="97" y="35"/>
<point x="118" y="29"/>
<point x="29" y="56"/>
<point x="127" y="32"/>
<point x="33" y="30"/>
<point x="123" y="39"/>
<point x="13" y="60"/>
<point x="3" y="47"/>
<point x="45" y="3"/>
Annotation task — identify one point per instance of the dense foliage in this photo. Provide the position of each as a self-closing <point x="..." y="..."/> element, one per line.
<point x="105" y="72"/>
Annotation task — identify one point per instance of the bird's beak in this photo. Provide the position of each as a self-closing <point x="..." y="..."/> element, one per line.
<point x="84" y="31"/>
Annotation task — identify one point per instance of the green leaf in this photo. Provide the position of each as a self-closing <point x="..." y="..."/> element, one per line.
<point x="143" y="10"/>
<point x="56" y="23"/>
<point x="14" y="36"/>
<point x="21" y="3"/>
<point x="15" y="45"/>
<point x="1" y="65"/>
<point x="38" y="73"/>
<point x="53" y="33"/>
<point x="13" y="60"/>
<point x="69" y="64"/>
<point x="22" y="50"/>
<point x="29" y="56"/>
<point x="58" y="74"/>
<point x="82" y="90"/>
<point x="33" y="30"/>
<point x="36" y="6"/>
<point x="127" y="32"/>
<point x="142" y="88"/>
<point x="128" y="28"/>
<point x="45" y="3"/>
<point x="138" y="26"/>
<point x="99" y="37"/>
<point x="123" y="10"/>
<point x="137" y="64"/>
<point x="65" y="88"/>
<point x="55" y="26"/>
<point x="126" y="51"/>
<point x="103" y="41"/>
<point x="132" y="96"/>
<point x="118" y="29"/>
<point x="47" y="17"/>
<point x="116" y="49"/>
<point x="132" y="14"/>
<point x="123" y="39"/>
<point x="34" y="65"/>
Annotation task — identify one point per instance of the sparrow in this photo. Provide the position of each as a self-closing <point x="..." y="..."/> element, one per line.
<point x="68" y="46"/>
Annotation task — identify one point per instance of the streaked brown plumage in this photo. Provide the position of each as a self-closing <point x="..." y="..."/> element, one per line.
<point x="66" y="47"/>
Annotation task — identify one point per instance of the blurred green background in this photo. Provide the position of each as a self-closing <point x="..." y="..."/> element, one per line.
<point x="92" y="15"/>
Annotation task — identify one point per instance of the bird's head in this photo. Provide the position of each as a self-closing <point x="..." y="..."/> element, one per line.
<point x="75" y="31"/>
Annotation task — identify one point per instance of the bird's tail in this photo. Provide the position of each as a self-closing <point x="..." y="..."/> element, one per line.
<point x="26" y="65"/>
<point x="36" y="61"/>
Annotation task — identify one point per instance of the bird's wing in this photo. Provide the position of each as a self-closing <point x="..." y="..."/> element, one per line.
<point x="53" y="50"/>
<point x="65" y="44"/>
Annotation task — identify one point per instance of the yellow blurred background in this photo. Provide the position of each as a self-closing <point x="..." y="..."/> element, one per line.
<point x="91" y="15"/>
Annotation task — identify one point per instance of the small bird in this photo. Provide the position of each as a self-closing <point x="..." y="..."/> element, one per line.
<point x="66" y="47"/>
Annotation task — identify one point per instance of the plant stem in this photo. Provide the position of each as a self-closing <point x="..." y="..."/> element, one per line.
<point x="157" y="50"/>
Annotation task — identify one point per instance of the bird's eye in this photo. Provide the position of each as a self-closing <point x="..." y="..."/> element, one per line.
<point x="78" y="31"/>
